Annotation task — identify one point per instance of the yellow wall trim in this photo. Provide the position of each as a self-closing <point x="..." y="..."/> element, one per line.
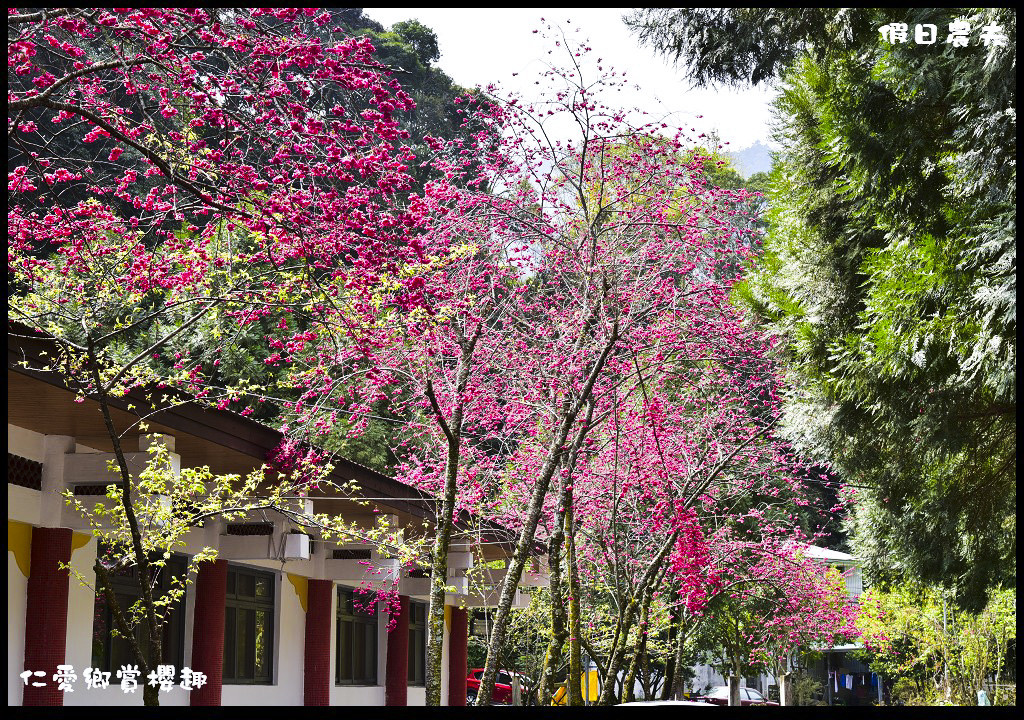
<point x="301" y="585"/>
<point x="19" y="542"/>
<point x="79" y="541"/>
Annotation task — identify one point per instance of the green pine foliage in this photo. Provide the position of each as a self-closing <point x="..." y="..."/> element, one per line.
<point x="890" y="268"/>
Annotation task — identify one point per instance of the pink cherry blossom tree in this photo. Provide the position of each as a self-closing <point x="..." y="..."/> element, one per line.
<point x="593" y="267"/>
<point x="625" y="257"/>
<point x="804" y="606"/>
<point x="181" y="172"/>
<point x="664" y="498"/>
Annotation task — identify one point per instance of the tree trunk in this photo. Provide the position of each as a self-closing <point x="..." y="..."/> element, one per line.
<point x="611" y="677"/>
<point x="673" y="678"/>
<point x="649" y="680"/>
<point x="556" y="452"/>
<point x="439" y="579"/>
<point x="676" y="687"/>
<point x="629" y="683"/>
<point x="435" y="616"/>
<point x="646" y="598"/>
<point x="735" y="649"/>
<point x="575" y="678"/>
<point x="452" y="429"/>
<point x="515" y="571"/>
<point x="628" y="616"/>
<point x="153" y="627"/>
<point x="558" y="633"/>
<point x="734" y="687"/>
<point x="673" y="633"/>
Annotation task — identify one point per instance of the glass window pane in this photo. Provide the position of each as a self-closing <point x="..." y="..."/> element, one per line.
<point x="249" y="631"/>
<point x="345" y="660"/>
<point x="371" y="652"/>
<point x="246" y="586"/>
<point x="365" y="606"/>
<point x="358" y="652"/>
<point x="120" y="652"/>
<point x="229" y="642"/>
<point x="261" y="646"/>
<point x="246" y="631"/>
<point x="171" y="636"/>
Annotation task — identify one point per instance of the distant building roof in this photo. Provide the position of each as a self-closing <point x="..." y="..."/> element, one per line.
<point x="840" y="648"/>
<point x="825" y="554"/>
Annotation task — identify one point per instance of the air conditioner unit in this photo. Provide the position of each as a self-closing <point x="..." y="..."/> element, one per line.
<point x="296" y="546"/>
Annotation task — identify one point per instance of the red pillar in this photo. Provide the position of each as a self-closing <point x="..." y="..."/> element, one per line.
<point x="316" y="678"/>
<point x="46" y="618"/>
<point x="396" y="682"/>
<point x="208" y="630"/>
<point x="458" y="657"/>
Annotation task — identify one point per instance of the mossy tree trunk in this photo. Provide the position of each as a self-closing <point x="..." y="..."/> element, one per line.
<point x="558" y="630"/>
<point x="451" y="427"/>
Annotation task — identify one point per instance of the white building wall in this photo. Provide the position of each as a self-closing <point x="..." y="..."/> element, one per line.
<point x="25" y="443"/>
<point x="364" y="695"/>
<point x="705" y="676"/>
<point x="854" y="582"/>
<point x="27" y="506"/>
<point x="23" y="505"/>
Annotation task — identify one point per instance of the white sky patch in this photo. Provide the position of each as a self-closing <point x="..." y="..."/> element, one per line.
<point x="481" y="46"/>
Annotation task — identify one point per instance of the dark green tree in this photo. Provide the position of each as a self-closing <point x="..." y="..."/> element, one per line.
<point x="422" y="39"/>
<point x="747" y="45"/>
<point x="890" y="266"/>
<point x="411" y="49"/>
<point x="758" y="182"/>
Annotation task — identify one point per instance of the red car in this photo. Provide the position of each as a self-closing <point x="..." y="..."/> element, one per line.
<point x="720" y="696"/>
<point x="502" y="687"/>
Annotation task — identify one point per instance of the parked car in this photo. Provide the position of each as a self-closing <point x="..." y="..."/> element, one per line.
<point x="502" y="687"/>
<point x="719" y="695"/>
